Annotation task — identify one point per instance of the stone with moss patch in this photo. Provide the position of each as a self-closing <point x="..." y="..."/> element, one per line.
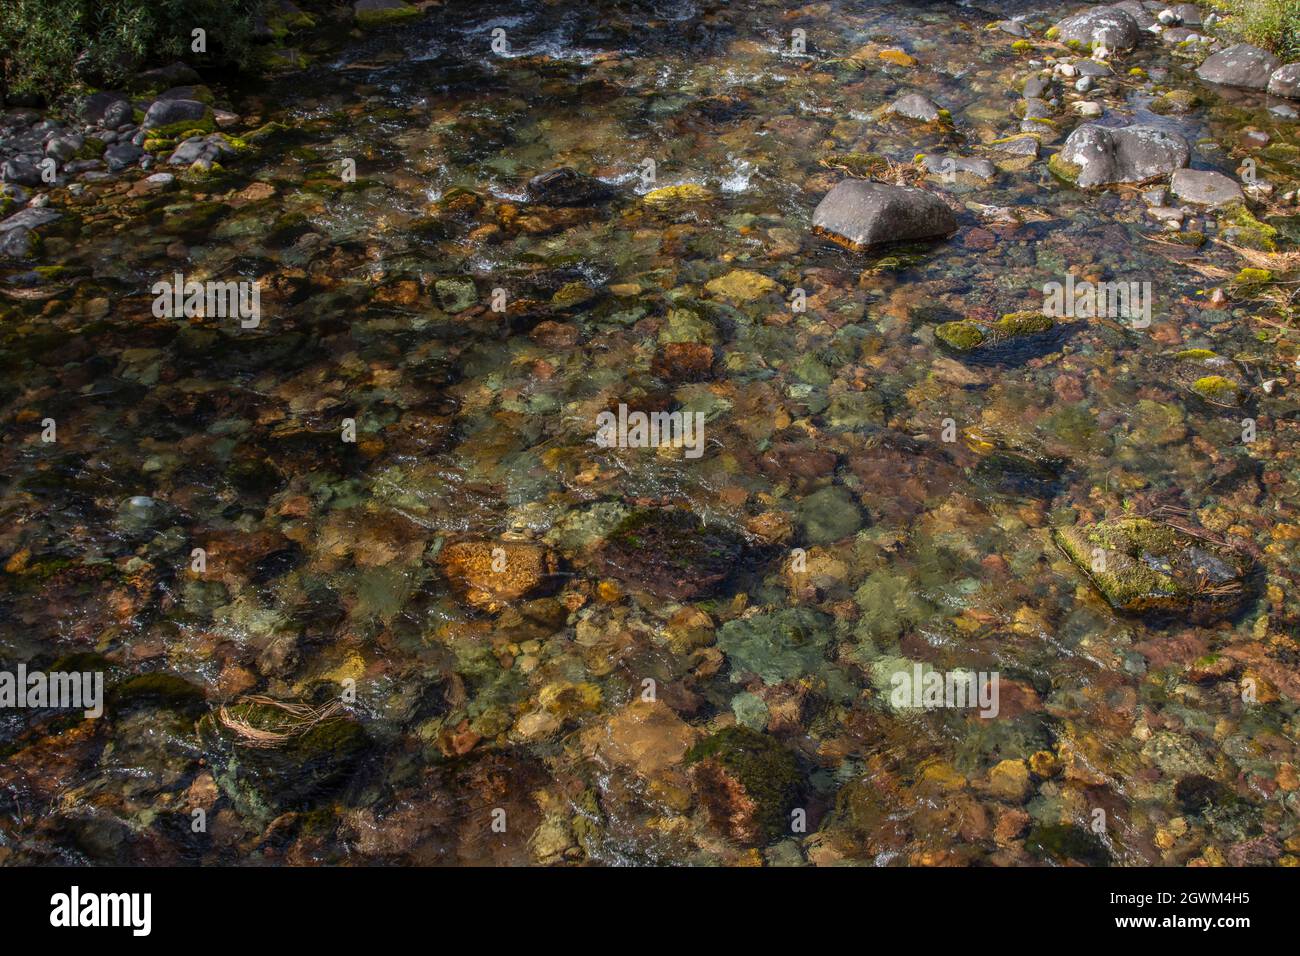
<point x="1238" y="225"/>
<point x="1145" y="566"/>
<point x="748" y="783"/>
<point x="1218" y="390"/>
<point x="966" y="335"/>
<point x="270" y="756"/>
<point x="378" y="13"/>
<point x="682" y="195"/>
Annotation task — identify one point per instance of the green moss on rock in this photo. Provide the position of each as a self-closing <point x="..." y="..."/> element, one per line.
<point x="1239" y="225"/>
<point x="282" y="761"/>
<point x="1144" y="566"/>
<point x="961" y="336"/>
<point x="748" y="782"/>
<point x="1218" y="390"/>
<point x="1063" y="169"/>
<point x="380" y="16"/>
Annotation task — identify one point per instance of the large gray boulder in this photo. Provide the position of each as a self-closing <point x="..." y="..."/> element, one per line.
<point x="1205" y="187"/>
<point x="169" y="112"/>
<point x="1110" y="27"/>
<point x="1240" y="65"/>
<point x="1285" y="81"/>
<point x="1098" y="156"/>
<point x="1140" y="14"/>
<point x="860" y="214"/>
<point x="96" y="106"/>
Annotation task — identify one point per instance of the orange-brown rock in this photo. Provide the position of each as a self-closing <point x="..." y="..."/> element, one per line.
<point x="490" y="574"/>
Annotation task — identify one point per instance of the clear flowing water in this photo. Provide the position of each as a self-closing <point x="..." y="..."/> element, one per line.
<point x="513" y="645"/>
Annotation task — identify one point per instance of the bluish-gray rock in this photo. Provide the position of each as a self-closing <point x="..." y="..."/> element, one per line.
<point x="1205" y="187"/>
<point x="1285" y="81"/>
<point x="861" y="214"/>
<point x="1241" y="65"/>
<point x="168" y="112"/>
<point x="1109" y="27"/>
<point x="1098" y="155"/>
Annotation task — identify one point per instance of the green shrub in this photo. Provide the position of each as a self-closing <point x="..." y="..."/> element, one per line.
<point x="1272" y="24"/>
<point x="47" y="45"/>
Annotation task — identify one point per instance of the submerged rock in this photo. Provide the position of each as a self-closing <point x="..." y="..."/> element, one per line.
<point x="566" y="186"/>
<point x="781" y="646"/>
<point x="915" y="106"/>
<point x="747" y="782"/>
<point x="860" y="214"/>
<point x="1218" y="390"/>
<point x="670" y="553"/>
<point x="669" y="197"/>
<point x="742" y="285"/>
<point x="1240" y="65"/>
<point x="1012" y="470"/>
<point x="269" y="756"/>
<point x="1097" y="155"/>
<point x="491" y="574"/>
<point x="829" y="515"/>
<point x="965" y="166"/>
<point x="1067" y="843"/>
<point x="1109" y="27"/>
<point x="1004" y="338"/>
<point x="1205" y="187"/>
<point x="1141" y="566"/>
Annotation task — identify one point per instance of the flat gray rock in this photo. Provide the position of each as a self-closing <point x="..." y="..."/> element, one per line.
<point x="1132" y="154"/>
<point x="30" y="218"/>
<point x="1205" y="187"/>
<point x="861" y="214"/>
<point x="959" y="165"/>
<point x="1240" y="65"/>
<point x="1026" y="145"/>
<point x="915" y="106"/>
<point x="1111" y="27"/>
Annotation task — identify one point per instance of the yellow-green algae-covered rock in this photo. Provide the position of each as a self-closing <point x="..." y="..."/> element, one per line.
<point x="1218" y="390"/>
<point x="966" y="335"/>
<point x="742" y="285"/>
<point x="378" y="13"/>
<point x="1141" y="565"/>
<point x="668" y="196"/>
